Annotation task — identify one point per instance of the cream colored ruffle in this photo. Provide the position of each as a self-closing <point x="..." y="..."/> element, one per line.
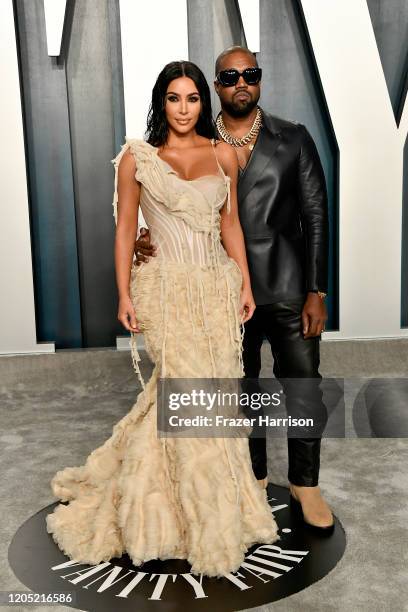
<point x="161" y="498"/>
<point x="176" y="197"/>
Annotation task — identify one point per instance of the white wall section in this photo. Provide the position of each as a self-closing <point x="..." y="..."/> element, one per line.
<point x="249" y="10"/>
<point x="54" y="11"/>
<point x="371" y="167"/>
<point x="153" y="34"/>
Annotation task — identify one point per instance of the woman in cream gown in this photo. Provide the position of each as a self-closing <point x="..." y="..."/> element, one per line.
<point x="165" y="498"/>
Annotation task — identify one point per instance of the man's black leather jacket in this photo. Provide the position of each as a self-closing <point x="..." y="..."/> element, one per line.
<point x="282" y="201"/>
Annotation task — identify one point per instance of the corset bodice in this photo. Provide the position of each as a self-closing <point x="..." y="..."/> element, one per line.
<point x="183" y="216"/>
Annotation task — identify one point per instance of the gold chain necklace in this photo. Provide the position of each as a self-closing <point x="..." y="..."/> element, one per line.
<point x="240" y="142"/>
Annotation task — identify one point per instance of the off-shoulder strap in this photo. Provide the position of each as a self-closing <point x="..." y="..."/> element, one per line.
<point x="226" y="177"/>
<point x="216" y="157"/>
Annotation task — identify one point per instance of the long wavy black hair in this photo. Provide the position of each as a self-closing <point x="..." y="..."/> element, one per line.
<point x="157" y="125"/>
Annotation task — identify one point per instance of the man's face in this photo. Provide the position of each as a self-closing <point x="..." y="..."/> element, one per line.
<point x="239" y="99"/>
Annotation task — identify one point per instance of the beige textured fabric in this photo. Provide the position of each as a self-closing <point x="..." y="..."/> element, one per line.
<point x="187" y="498"/>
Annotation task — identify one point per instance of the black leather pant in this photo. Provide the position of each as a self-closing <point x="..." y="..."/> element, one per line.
<point x="294" y="357"/>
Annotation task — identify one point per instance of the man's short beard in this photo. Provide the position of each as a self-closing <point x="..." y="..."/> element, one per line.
<point x="235" y="110"/>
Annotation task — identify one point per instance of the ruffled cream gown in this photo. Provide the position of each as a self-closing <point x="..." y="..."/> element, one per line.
<point x="152" y="497"/>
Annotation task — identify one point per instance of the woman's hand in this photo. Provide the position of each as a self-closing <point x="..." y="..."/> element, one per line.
<point x="247" y="304"/>
<point x="127" y="315"/>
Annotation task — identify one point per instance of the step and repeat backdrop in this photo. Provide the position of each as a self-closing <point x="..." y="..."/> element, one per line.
<point x="77" y="77"/>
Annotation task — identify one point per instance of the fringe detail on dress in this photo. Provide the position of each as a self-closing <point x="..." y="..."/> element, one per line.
<point x="136" y="357"/>
<point x="198" y="282"/>
<point x="228" y="184"/>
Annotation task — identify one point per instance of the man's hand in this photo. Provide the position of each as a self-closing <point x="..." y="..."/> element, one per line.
<point x="314" y="316"/>
<point x="143" y="248"/>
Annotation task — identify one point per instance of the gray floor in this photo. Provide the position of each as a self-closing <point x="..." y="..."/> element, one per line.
<point x="57" y="408"/>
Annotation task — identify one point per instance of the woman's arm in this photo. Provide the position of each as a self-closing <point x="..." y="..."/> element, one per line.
<point x="231" y="231"/>
<point x="126" y="230"/>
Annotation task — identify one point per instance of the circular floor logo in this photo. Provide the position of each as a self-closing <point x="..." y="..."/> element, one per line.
<point x="269" y="571"/>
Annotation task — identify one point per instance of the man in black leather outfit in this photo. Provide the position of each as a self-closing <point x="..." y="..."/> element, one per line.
<point x="283" y="212"/>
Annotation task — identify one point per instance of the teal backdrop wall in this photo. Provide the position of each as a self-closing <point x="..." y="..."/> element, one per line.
<point x="74" y="125"/>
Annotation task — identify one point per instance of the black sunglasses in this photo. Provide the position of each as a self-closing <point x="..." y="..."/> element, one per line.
<point x="230" y="77"/>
